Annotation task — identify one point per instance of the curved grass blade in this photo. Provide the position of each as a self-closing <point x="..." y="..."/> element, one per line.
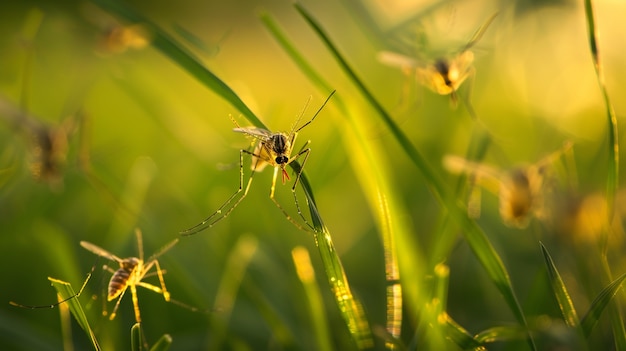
<point x="477" y="240"/>
<point x="613" y="151"/>
<point x="163" y="344"/>
<point x="184" y="58"/>
<point x="64" y="289"/>
<point x="350" y="308"/>
<point x="501" y="333"/>
<point x="461" y="337"/>
<point x="136" y="337"/>
<point x="599" y="303"/>
<point x="367" y="160"/>
<point x="560" y="292"/>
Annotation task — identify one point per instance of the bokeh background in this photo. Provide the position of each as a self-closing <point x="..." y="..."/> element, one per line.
<point x="151" y="147"/>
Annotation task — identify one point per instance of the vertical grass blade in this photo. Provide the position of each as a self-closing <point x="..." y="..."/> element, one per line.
<point x="64" y="289"/>
<point x="560" y="292"/>
<point x="369" y="163"/>
<point x="599" y="303"/>
<point x="234" y="271"/>
<point x="612" y="181"/>
<point x="136" y="337"/>
<point x="476" y="238"/>
<point x="184" y="58"/>
<point x="350" y="308"/>
<point x="315" y="303"/>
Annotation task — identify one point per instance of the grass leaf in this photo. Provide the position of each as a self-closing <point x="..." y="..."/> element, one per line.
<point x="560" y="292"/>
<point x="136" y="337"/>
<point x="163" y="344"/>
<point x="478" y="241"/>
<point x="599" y="303"/>
<point x="460" y="336"/>
<point x="171" y="48"/>
<point x="65" y="291"/>
<point x="612" y="182"/>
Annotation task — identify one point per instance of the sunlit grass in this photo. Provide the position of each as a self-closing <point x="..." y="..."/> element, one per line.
<point x="395" y="259"/>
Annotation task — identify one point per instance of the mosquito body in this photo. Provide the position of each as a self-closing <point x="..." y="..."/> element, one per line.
<point x="130" y="274"/>
<point x="444" y="75"/>
<point x="520" y="190"/>
<point x="274" y="149"/>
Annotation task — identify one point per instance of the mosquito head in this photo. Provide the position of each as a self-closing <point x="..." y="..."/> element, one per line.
<point x="443" y="67"/>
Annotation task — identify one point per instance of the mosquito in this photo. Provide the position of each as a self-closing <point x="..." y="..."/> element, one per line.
<point x="444" y="75"/>
<point x="274" y="149"/>
<point x="130" y="274"/>
<point x="520" y="190"/>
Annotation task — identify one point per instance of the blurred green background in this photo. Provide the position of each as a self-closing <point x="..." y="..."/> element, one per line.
<point x="163" y="156"/>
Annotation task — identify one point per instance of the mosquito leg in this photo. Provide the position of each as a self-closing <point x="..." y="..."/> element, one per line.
<point x="272" y="191"/>
<point x="306" y="153"/>
<point x="133" y="292"/>
<point x="166" y="294"/>
<point x="210" y="221"/>
<point x="117" y="304"/>
<point x="58" y="302"/>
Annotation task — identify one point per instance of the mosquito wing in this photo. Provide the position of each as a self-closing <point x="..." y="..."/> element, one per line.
<point x="258" y="133"/>
<point x="488" y="176"/>
<point x="397" y="60"/>
<point x="99" y="251"/>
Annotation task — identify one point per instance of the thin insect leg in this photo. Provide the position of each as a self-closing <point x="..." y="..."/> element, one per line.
<point x="117" y="304"/>
<point x="159" y="290"/>
<point x="272" y="190"/>
<point x="466" y="100"/>
<point x="166" y="294"/>
<point x="139" y="243"/>
<point x="306" y="153"/>
<point x="209" y="222"/>
<point x="133" y="291"/>
<point x="58" y="302"/>
<point x="316" y="113"/>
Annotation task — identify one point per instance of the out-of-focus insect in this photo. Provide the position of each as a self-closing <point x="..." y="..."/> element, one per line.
<point x="444" y="75"/>
<point x="274" y="149"/>
<point x="129" y="275"/>
<point x="520" y="190"/>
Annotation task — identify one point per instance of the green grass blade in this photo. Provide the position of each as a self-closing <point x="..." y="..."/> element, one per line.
<point x="461" y="337"/>
<point x="368" y="162"/>
<point x="599" y="303"/>
<point x="612" y="182"/>
<point x="136" y="337"/>
<point x="163" y="344"/>
<point x="184" y="58"/>
<point x="560" y="292"/>
<point x="349" y="306"/>
<point x="476" y="238"/>
<point x="65" y="291"/>
<point x="314" y="300"/>
<point x="501" y="333"/>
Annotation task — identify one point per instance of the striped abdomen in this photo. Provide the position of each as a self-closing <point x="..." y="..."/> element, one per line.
<point x="119" y="280"/>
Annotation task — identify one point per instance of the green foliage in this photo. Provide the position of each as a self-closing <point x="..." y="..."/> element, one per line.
<point x="122" y="109"/>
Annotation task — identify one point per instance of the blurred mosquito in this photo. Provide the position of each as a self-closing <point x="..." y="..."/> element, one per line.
<point x="274" y="149"/>
<point x="443" y="75"/>
<point x="520" y="190"/>
<point x="129" y="275"/>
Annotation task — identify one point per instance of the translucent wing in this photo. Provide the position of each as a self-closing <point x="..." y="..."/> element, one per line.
<point x="397" y="60"/>
<point x="254" y="132"/>
<point x="99" y="251"/>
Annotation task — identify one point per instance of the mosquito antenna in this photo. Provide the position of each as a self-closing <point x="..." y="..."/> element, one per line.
<point x="480" y="32"/>
<point x="295" y="124"/>
<point x="316" y="113"/>
<point x="139" y="243"/>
